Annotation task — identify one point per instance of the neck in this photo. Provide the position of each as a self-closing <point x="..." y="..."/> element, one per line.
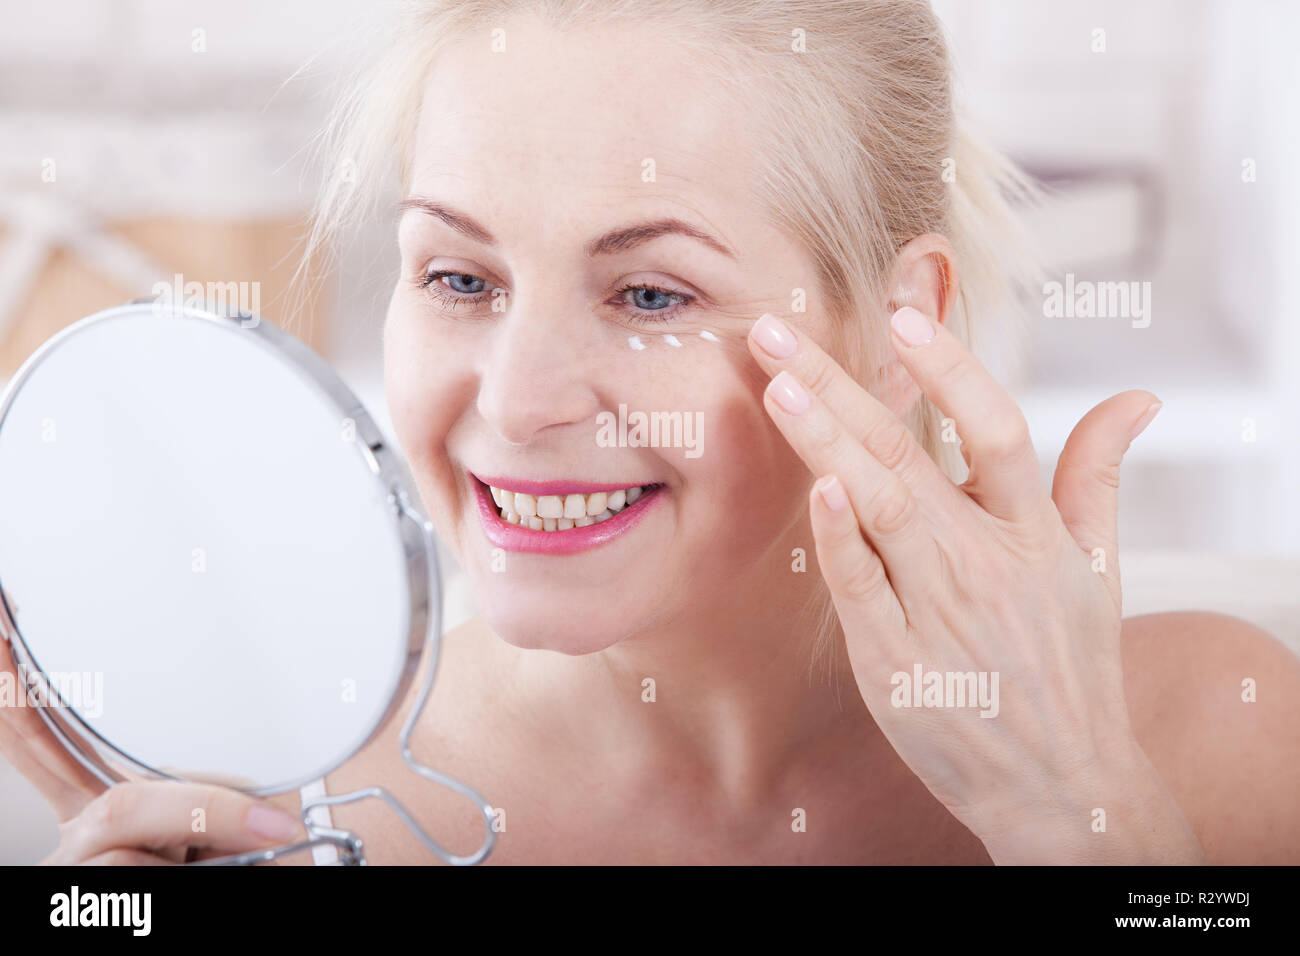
<point x="731" y="696"/>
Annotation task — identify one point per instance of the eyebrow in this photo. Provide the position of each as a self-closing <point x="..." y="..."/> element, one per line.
<point x="616" y="240"/>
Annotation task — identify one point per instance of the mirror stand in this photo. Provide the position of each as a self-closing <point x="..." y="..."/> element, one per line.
<point x="351" y="850"/>
<point x="90" y="752"/>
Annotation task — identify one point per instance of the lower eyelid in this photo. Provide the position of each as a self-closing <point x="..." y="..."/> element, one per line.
<point x="643" y="318"/>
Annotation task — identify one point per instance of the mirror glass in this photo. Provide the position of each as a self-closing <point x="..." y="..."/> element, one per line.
<point x="199" y="551"/>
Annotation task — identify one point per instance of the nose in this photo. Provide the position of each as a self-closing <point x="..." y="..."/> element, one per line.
<point x="534" y="377"/>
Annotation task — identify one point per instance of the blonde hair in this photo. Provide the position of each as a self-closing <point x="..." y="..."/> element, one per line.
<point x="862" y="152"/>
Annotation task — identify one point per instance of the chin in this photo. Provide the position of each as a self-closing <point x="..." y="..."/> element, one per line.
<point x="573" y="633"/>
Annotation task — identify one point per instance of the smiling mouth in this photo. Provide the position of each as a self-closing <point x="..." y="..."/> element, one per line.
<point x="563" y="511"/>
<point x="553" y="525"/>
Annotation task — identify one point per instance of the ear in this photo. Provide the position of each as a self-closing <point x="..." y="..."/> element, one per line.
<point x="925" y="277"/>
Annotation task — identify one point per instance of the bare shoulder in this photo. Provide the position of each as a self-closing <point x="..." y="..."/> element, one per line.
<point x="1215" y="703"/>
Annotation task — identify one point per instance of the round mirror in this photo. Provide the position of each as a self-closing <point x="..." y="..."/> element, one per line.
<point x="206" y="550"/>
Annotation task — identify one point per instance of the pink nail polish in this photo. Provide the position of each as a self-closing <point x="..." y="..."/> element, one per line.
<point x="1140" y="426"/>
<point x="832" y="493"/>
<point x="271" y="824"/>
<point x="789" y="394"/>
<point x="774" y="338"/>
<point x="912" y="326"/>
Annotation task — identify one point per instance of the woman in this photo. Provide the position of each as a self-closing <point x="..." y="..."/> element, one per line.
<point x="759" y="220"/>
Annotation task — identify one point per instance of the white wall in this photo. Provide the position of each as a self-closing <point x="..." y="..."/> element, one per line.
<point x="1185" y="91"/>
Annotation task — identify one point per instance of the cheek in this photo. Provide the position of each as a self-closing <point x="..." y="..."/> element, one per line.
<point x="759" y="478"/>
<point x="747" y="483"/>
<point x="427" y="378"/>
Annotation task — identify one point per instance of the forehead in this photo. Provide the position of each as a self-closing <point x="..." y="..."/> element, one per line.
<point x="578" y="127"/>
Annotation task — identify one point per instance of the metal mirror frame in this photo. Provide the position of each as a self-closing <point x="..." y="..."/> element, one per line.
<point x="100" y="756"/>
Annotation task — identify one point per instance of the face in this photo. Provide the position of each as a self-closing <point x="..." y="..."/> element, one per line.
<point x="580" y="255"/>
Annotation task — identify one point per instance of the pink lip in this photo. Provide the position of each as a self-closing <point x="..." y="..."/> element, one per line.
<point x="513" y="537"/>
<point x="536" y="488"/>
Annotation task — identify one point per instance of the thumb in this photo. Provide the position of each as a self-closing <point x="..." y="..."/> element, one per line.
<point x="1086" y="486"/>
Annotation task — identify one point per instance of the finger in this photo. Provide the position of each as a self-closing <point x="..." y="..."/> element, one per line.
<point x="859" y="584"/>
<point x="1004" y="477"/>
<point x="777" y="347"/>
<point x="67" y="790"/>
<point x="31" y="747"/>
<point x="177" y="854"/>
<point x="121" y="857"/>
<point x="1086" y="486"/>
<point x="886" y="509"/>
<point x="159" y="814"/>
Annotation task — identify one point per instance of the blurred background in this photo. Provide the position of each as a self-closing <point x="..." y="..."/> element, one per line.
<point x="141" y="139"/>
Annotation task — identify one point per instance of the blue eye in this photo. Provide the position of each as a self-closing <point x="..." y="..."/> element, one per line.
<point x="652" y="299"/>
<point x="649" y="303"/>
<point x="648" y="297"/>
<point x="465" y="286"/>
<point x="458" y="279"/>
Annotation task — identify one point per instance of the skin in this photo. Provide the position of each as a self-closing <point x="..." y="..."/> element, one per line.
<point x="539" y="701"/>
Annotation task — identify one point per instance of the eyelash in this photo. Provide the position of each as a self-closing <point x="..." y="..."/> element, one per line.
<point x="429" y="281"/>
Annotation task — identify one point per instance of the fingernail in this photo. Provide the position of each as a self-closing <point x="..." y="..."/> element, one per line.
<point x="832" y="493"/>
<point x="912" y="326"/>
<point x="1145" y="420"/>
<point x="789" y="394"/>
<point x="774" y="338"/>
<point x="271" y="824"/>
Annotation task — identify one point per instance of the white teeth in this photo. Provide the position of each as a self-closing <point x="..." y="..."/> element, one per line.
<point x="562" y="512"/>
